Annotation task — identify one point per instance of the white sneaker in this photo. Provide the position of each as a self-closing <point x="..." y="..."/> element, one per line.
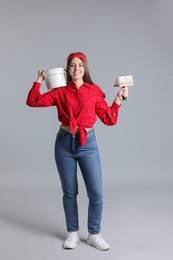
<point x="98" y="242"/>
<point x="72" y="240"/>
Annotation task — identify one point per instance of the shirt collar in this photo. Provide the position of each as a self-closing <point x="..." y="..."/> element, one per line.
<point x="87" y="84"/>
<point x="73" y="85"/>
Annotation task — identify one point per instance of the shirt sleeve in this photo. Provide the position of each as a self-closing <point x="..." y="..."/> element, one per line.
<point x="36" y="99"/>
<point x="107" y="114"/>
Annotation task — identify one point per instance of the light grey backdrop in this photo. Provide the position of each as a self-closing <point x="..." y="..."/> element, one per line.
<point x="119" y="37"/>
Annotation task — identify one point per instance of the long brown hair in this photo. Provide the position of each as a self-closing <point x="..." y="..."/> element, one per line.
<point x="86" y="77"/>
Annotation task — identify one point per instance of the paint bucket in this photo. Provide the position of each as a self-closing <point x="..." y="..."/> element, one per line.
<point x="55" y="78"/>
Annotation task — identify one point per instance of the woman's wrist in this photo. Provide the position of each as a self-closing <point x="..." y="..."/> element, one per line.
<point x="117" y="100"/>
<point x="39" y="80"/>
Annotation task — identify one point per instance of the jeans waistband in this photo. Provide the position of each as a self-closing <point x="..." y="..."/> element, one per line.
<point x="65" y="132"/>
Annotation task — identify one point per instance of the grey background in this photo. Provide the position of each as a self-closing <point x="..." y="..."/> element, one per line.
<point x="119" y="37"/>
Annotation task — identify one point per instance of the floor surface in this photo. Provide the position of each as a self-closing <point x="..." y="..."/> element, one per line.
<point x="137" y="223"/>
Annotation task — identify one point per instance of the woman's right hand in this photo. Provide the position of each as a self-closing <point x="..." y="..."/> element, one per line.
<point x="41" y="74"/>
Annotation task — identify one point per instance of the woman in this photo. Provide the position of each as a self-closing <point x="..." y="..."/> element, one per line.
<point x="78" y="105"/>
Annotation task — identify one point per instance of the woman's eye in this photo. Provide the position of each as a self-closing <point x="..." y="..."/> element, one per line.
<point x="73" y="65"/>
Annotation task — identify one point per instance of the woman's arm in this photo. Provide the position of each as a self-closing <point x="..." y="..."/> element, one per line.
<point x="35" y="98"/>
<point x="109" y="115"/>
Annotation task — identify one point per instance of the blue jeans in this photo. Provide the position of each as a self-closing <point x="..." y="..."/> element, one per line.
<point x="69" y="152"/>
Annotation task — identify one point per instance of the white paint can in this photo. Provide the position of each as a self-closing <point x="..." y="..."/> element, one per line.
<point x="55" y="78"/>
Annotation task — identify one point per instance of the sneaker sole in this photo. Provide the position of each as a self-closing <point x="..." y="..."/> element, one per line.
<point x="68" y="247"/>
<point x="92" y="244"/>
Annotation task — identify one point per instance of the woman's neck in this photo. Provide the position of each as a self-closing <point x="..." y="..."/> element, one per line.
<point x="78" y="83"/>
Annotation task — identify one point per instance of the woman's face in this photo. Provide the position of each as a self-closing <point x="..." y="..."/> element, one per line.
<point x="76" y="69"/>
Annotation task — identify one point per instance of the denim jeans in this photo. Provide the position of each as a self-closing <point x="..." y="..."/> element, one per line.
<point x="69" y="152"/>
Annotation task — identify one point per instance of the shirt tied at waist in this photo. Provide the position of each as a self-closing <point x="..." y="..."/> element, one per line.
<point x="81" y="129"/>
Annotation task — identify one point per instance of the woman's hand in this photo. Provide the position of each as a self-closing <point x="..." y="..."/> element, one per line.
<point x="122" y="93"/>
<point x="41" y="74"/>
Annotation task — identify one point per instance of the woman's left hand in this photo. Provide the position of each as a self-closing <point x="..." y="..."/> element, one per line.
<point x="122" y="93"/>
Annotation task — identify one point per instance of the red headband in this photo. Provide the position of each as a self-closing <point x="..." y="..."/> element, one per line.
<point x="77" y="54"/>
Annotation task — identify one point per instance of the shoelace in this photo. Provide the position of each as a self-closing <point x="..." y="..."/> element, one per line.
<point x="99" y="236"/>
<point x="70" y="236"/>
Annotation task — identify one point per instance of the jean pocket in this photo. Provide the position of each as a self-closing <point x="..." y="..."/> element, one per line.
<point x="91" y="139"/>
<point x="63" y="138"/>
<point x="60" y="136"/>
